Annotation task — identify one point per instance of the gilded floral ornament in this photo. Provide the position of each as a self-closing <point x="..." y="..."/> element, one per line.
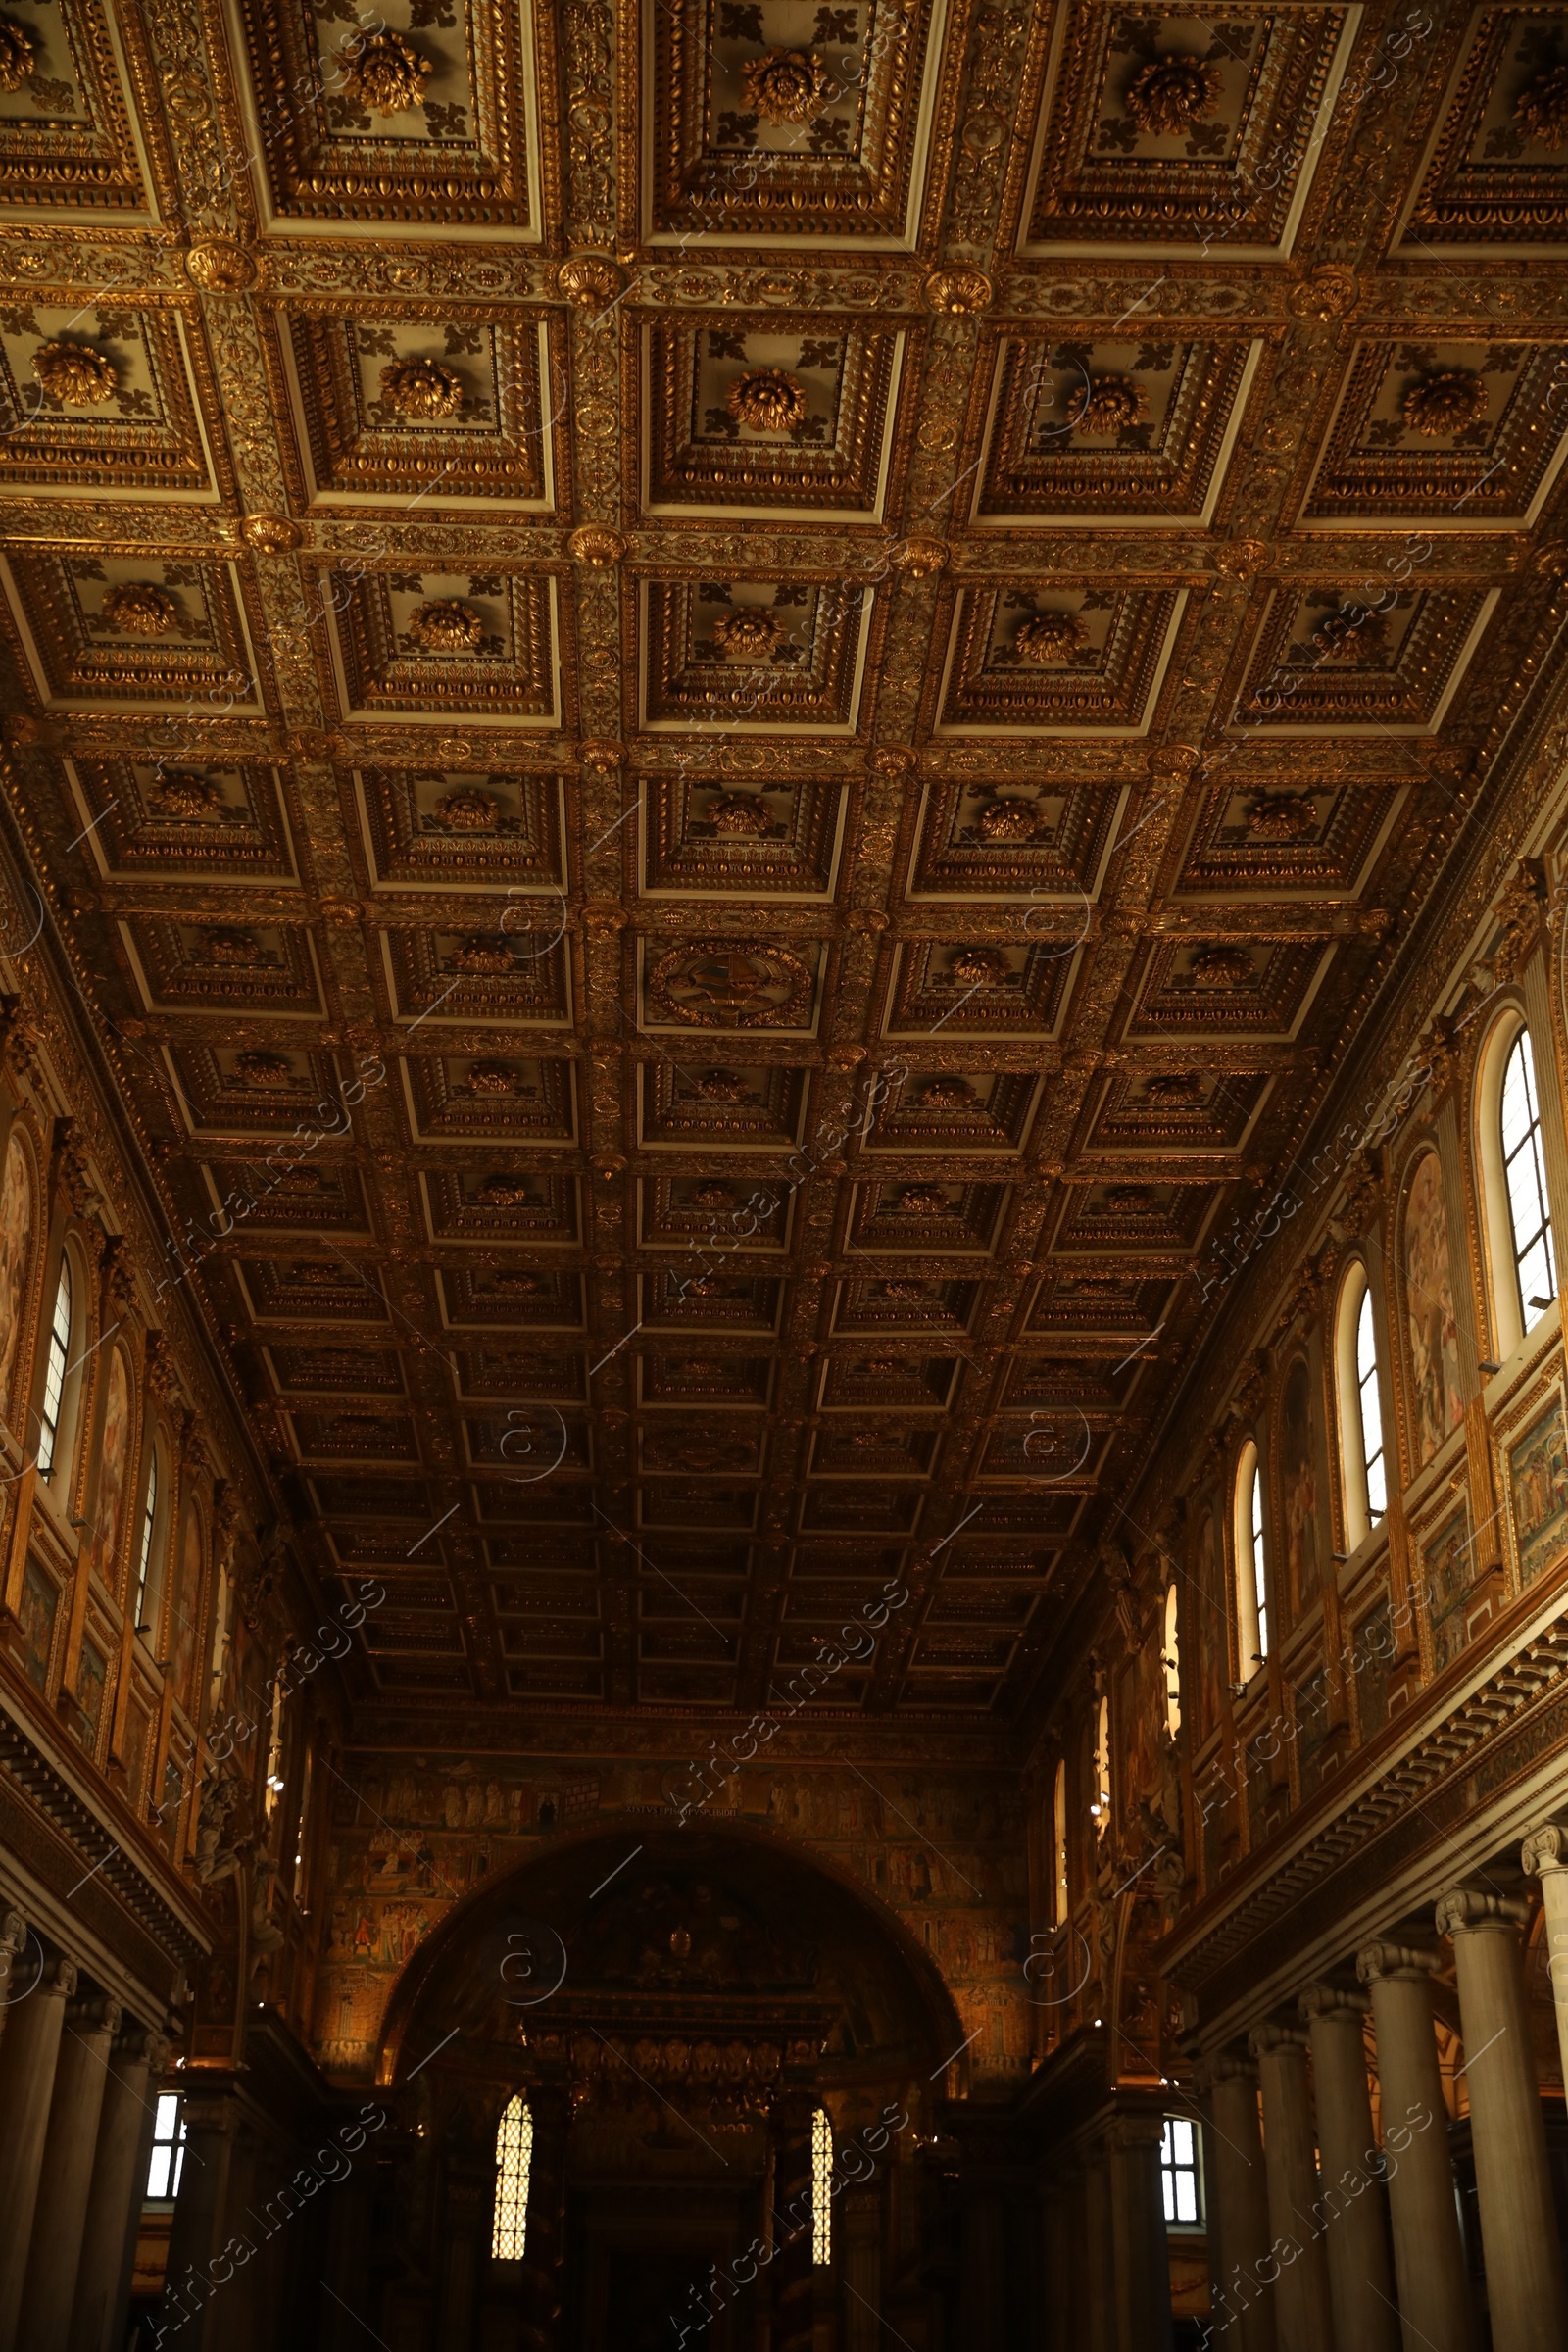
<point x="220" y="265"/>
<point x="1541" y="106"/>
<point x="921" y="558"/>
<point x="505" y="1192"/>
<point x="16" y="54"/>
<point x="1239" y="559"/>
<point x="1447" y="401"/>
<point x="601" y="757"/>
<point x="468" y="810"/>
<point x="1283" y="816"/>
<point x="786" y="86"/>
<point x="139" y="609"/>
<point x="1328" y="293"/>
<point x="1168" y="95"/>
<point x="421" y="388"/>
<point x="1222" y="968"/>
<point x="922" y="1200"/>
<point x="74" y="373"/>
<point x="482" y="956"/>
<point x="596" y="547"/>
<point x="748" y="634"/>
<point x="1353" y="629"/>
<point x="493" y="1078"/>
<point x="446" y="627"/>
<point x="1173" y="1086"/>
<point x="183" y="797"/>
<point x="722" y="1086"/>
<point x="263" y="1070"/>
<point x="949" y="1091"/>
<point x="1108" y="404"/>
<point x="730" y="984"/>
<point x="272" y="534"/>
<point x="741" y="816"/>
<point x="1046" y="637"/>
<point x="228" y="945"/>
<point x="975" y="967"/>
<point x="588" y="281"/>
<point x="1009" y="821"/>
<point x="959" y="293"/>
<point x="385" y="72"/>
<point x="769" y="400"/>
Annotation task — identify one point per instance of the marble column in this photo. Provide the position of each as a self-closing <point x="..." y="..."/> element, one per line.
<point x="1354" y="2220"/>
<point x="1544" y="1853"/>
<point x="1139" y="2253"/>
<point x="1507" y="2133"/>
<point x="1434" y="2285"/>
<point x="30" y="2051"/>
<point x="1302" y="2313"/>
<point x="1100" y="2299"/>
<point x="64" y="2176"/>
<point x="203" y="2217"/>
<point x="862" y="2269"/>
<point x="1242" y="2302"/>
<point x="114" y="2197"/>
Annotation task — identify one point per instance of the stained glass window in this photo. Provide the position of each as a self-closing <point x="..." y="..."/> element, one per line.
<point x="508" y="2233"/>
<point x="821" y="2187"/>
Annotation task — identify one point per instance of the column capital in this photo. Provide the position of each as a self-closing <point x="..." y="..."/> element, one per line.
<point x="97" y="2011"/>
<point x="1459" y="1909"/>
<point x="13" y="1933"/>
<point x="1334" y="2000"/>
<point x="58" y="1976"/>
<point x="1271" y="2037"/>
<point x="1226" y="2065"/>
<point x="1377" y="1960"/>
<point x="1545" y="1849"/>
<point x="1125" y="2132"/>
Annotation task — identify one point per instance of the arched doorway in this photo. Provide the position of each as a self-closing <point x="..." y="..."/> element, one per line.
<point x="707" y="2066"/>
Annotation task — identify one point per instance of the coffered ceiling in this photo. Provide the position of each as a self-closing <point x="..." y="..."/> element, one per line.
<point x="820" y="657"/>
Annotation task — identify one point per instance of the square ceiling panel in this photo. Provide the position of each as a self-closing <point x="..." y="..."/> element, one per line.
<point x="955" y="1111"/>
<point x="336" y="1371"/>
<point x="316" y="1196"/>
<point x="1159" y="131"/>
<point x="1010" y="990"/>
<point x="760" y="984"/>
<point x="1495" y="173"/>
<point x="782" y="122"/>
<point x="1256" y="988"/>
<point x="729" y="1107"/>
<point x="712" y="838"/>
<point x="1040" y="841"/>
<point x="488" y="1098"/>
<point x="65" y="137"/>
<point x="98" y="400"/>
<point x="178" y="824"/>
<point x="418" y="114"/>
<point x="1058" y="658"/>
<point x="215" y="969"/>
<point x="1107" y="433"/>
<point x="1158" y="1113"/>
<point x="495" y="1205"/>
<point x="506" y="977"/>
<point x="467" y="409"/>
<point x="435" y="646"/>
<point x="754" y="655"/>
<point x="1258" y="839"/>
<point x="1325" y="660"/>
<point x="509" y="1299"/>
<point x="308" y="1290"/>
<point x="243" y="1090"/>
<point x="134" y="632"/>
<point x="769" y="417"/>
<point x="433" y="828"/>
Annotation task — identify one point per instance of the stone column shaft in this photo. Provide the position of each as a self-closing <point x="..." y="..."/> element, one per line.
<point x="114" y="2197"/>
<point x="1243" y="2303"/>
<point x="1303" y="2313"/>
<point x="1545" y="1854"/>
<point x="1137" y="2236"/>
<point x="861" y="2226"/>
<point x="1513" y="2182"/>
<point x="29" y="2051"/>
<point x="1433" y="2284"/>
<point x="1354" y="2219"/>
<point x="64" y="2176"/>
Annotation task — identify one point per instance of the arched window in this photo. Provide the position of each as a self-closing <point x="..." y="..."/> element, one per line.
<point x="1171" y="1660"/>
<point x="144" y="1549"/>
<point x="1524" y="1171"/>
<point x="821" y="2187"/>
<point x="53" y="1378"/>
<point x="1099" y="1808"/>
<point x="1251" y="1586"/>
<point x="1362" y="1464"/>
<point x="1060" y="1900"/>
<point x="509" y="2229"/>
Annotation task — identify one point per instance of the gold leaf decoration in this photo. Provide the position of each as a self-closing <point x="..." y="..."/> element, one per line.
<point x="421" y="388"/>
<point x="1541" y="106"/>
<point x="1447" y="401"/>
<point x="74" y="373"/>
<point x="1049" y="637"/>
<point x="749" y="633"/>
<point x="385" y="72"/>
<point x="16" y="54"/>
<point x="468" y="810"/>
<point x="446" y="627"/>
<point x="1108" y="404"/>
<point x="1167" y="96"/>
<point x="786" y="86"/>
<point x="139" y="609"/>
<point x="767" y="399"/>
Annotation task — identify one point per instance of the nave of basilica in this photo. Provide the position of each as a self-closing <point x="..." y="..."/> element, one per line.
<point x="783" y="1043"/>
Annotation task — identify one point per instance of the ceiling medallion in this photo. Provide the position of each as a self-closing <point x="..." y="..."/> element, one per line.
<point x="16" y="54"/>
<point x="786" y="86"/>
<point x="722" y="1086"/>
<point x="948" y="1093"/>
<point x="139" y="609"/>
<point x="1108" y="404"/>
<point x="1222" y="968"/>
<point x="767" y="399"/>
<point x="903" y="1293"/>
<point x="1328" y="293"/>
<point x="1239" y="559"/>
<point x="1173" y="1086"/>
<point x="1352" y="628"/>
<point x="385" y="72"/>
<point x="749" y="634"/>
<point x="921" y="558"/>
<point x="1166" y="97"/>
<point x="730" y="984"/>
<point x="481" y="956"/>
<point x="974" y="967"/>
<point x="737" y="816"/>
<point x="184" y="796"/>
<point x="506" y="1191"/>
<point x="921" y="1201"/>
<point x="416" y="387"/>
<point x="263" y="1070"/>
<point x="713" y="1195"/>
<point x="520" y="1283"/>
<point x="588" y="281"/>
<point x="1447" y="403"/>
<point x="600" y="757"/>
<point x="72" y="373"/>
<point x="957" y="293"/>
<point x="227" y="944"/>
<point x="272" y="534"/>
<point x="1009" y="821"/>
<point x="468" y="809"/>
<point x="1541" y="106"/>
<point x="596" y="547"/>
<point x="1283" y="816"/>
<point x="493" y="1078"/>
<point x="221" y="266"/>
<point x="446" y="627"/>
<point x="1049" y="637"/>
